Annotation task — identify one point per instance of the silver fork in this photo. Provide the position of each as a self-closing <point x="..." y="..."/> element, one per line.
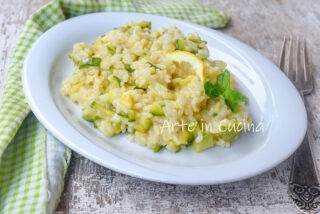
<point x="304" y="186"/>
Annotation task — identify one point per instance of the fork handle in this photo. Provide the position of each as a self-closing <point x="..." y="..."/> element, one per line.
<point x="304" y="186"/>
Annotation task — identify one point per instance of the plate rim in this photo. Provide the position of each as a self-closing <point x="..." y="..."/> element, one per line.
<point x="141" y="172"/>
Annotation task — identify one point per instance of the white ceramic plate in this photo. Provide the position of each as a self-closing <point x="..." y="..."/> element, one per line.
<point x="273" y="101"/>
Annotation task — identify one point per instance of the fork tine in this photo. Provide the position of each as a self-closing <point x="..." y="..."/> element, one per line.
<point x="307" y="73"/>
<point x="300" y="75"/>
<point x="290" y="72"/>
<point x="306" y="70"/>
<point x="283" y="52"/>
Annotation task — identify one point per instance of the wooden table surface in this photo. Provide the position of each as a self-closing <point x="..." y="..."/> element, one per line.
<point x="92" y="188"/>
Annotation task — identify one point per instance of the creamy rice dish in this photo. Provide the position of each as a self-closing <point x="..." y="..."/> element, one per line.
<point x="158" y="86"/>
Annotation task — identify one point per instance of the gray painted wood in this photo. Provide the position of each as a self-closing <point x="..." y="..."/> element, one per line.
<point x="92" y="188"/>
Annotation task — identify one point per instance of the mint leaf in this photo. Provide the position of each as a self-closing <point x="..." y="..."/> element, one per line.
<point x="232" y="105"/>
<point x="224" y="80"/>
<point x="212" y="90"/>
<point x="222" y="87"/>
<point x="232" y="98"/>
<point x="236" y="96"/>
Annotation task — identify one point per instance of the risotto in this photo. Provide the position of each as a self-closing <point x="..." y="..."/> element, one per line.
<point x="158" y="86"/>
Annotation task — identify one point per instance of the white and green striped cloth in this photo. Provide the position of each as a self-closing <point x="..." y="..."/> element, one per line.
<point x="33" y="163"/>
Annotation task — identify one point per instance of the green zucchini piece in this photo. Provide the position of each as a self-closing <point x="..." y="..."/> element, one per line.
<point x="206" y="143"/>
<point x="92" y="61"/>
<point x="116" y="81"/>
<point x="111" y="69"/>
<point x="157" y="148"/>
<point x="193" y="127"/>
<point x="100" y="110"/>
<point x="144" y="24"/>
<point x="152" y="65"/>
<point x="116" y="127"/>
<point x="229" y="136"/>
<point x="124" y="28"/>
<point x="137" y="87"/>
<point x="128" y="68"/>
<point x="73" y="58"/>
<point x="89" y="114"/>
<point x="127" y="101"/>
<point x="194" y="51"/>
<point x="173" y="147"/>
<point x="144" y="124"/>
<point x="180" y="45"/>
<point x="190" y="140"/>
<point x="131" y="116"/>
<point x="198" y="41"/>
<point x="156" y="109"/>
<point x="111" y="49"/>
<point x="122" y="114"/>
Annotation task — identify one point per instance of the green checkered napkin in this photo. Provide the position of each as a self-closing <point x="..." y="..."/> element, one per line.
<point x="32" y="162"/>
